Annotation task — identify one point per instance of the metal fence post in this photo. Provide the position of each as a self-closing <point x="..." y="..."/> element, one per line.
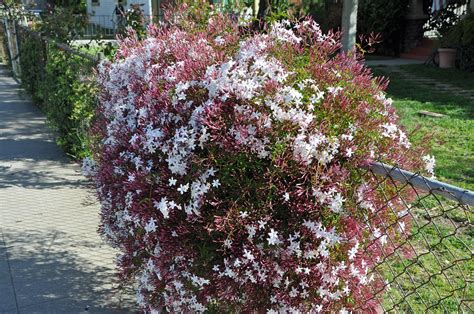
<point x="17" y="50"/>
<point x="11" y="47"/>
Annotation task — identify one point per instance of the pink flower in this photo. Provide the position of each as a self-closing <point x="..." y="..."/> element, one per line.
<point x="226" y="171"/>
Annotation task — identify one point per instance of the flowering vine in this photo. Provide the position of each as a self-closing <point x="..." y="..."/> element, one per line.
<point x="227" y="167"/>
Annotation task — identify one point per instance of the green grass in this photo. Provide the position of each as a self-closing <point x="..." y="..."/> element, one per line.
<point x="452" y="137"/>
<point x="439" y="249"/>
<point x="461" y="79"/>
<point x="376" y="57"/>
<point x="452" y="143"/>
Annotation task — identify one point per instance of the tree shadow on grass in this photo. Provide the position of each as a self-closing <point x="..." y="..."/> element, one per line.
<point x="430" y="97"/>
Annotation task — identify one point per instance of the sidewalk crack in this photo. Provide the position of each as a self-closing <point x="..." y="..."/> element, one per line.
<point x="10" y="271"/>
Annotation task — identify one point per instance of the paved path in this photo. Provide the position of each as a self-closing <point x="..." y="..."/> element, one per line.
<point x="51" y="258"/>
<point x="419" y="80"/>
<point x="391" y="62"/>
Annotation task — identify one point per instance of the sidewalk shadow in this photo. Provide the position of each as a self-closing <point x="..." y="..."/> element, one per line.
<point x="41" y="179"/>
<point x="53" y="272"/>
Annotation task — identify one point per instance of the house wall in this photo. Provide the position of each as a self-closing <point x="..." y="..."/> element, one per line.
<point x="101" y="12"/>
<point x="413" y="28"/>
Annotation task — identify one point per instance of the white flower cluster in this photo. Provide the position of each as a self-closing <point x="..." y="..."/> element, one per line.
<point x="362" y="199"/>
<point x="315" y="146"/>
<point x="392" y="131"/>
<point x="248" y="268"/>
<point x="88" y="167"/>
<point x="429" y="164"/>
<point x="331" y="197"/>
<point x="281" y="32"/>
<point x="245" y="77"/>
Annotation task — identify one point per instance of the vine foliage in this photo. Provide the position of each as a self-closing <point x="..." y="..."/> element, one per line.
<point x="61" y="84"/>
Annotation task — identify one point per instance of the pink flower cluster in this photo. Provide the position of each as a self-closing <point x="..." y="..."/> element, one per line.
<point x="227" y="167"/>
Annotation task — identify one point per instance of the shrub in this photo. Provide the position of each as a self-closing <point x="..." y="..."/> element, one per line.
<point x="385" y="18"/>
<point x="62" y="86"/>
<point x="461" y="34"/>
<point x="228" y="168"/>
<point x="32" y="51"/>
<point x="443" y="20"/>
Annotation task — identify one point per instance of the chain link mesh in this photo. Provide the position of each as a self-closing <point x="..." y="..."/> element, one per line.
<point x="431" y="264"/>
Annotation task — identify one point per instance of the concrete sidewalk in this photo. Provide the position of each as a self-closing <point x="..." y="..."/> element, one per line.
<point x="51" y="258"/>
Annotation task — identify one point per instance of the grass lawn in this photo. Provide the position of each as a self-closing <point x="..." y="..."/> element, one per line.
<point x="454" y="77"/>
<point x="452" y="142"/>
<point x="452" y="137"/>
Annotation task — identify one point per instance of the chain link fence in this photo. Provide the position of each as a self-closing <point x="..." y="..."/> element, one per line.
<point x="60" y="80"/>
<point x="431" y="265"/>
<point x="15" y="36"/>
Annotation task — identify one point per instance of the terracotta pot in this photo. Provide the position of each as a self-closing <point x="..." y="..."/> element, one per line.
<point x="447" y="56"/>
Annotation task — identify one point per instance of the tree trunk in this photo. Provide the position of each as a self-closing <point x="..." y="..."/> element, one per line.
<point x="263" y="9"/>
<point x="349" y="24"/>
<point x="255" y="7"/>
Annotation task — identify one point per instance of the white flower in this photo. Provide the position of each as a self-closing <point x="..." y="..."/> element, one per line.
<point x="349" y="152"/>
<point x="140" y="299"/>
<point x="346" y="290"/>
<point x="403" y="139"/>
<point x="88" y="167"/>
<point x="389" y="130"/>
<point x="163" y="207"/>
<point x="334" y="90"/>
<point x="315" y="98"/>
<point x="251" y="230"/>
<point x="150" y="226"/>
<point x="248" y="255"/>
<point x="401" y="226"/>
<point x="244" y="214"/>
<point x="273" y="237"/>
<point x="153" y="137"/>
<point x="228" y="243"/>
<point x="429" y="164"/>
<point x="237" y="262"/>
<point x="286" y="197"/>
<point x="383" y="239"/>
<point x="377" y="233"/>
<point x="353" y="251"/>
<point x="216" y="183"/>
<point x="172" y="182"/>
<point x="336" y="203"/>
<point x="219" y="40"/>
<point x="318" y="308"/>
<point x="183" y="188"/>
<point x="279" y="32"/>
<point x="211" y="171"/>
<point x="294" y="292"/>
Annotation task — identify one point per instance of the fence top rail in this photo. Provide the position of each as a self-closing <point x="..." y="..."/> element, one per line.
<point x="61" y="46"/>
<point x="448" y="191"/>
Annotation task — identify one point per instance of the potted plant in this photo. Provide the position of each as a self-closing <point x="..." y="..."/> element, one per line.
<point x="459" y="37"/>
<point x="447" y="50"/>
